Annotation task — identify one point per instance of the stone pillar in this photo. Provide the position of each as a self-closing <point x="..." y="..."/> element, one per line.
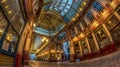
<point x="81" y="53"/>
<point x="96" y="43"/>
<point x="108" y="33"/>
<point x="88" y="45"/>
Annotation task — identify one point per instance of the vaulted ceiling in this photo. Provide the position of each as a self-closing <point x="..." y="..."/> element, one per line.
<point x="51" y="16"/>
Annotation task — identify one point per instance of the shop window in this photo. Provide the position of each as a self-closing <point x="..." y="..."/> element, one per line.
<point x="10" y="7"/>
<point x="102" y="38"/>
<point x="116" y="33"/>
<point x="12" y="12"/>
<point x="18" y="24"/>
<point x="112" y="22"/>
<point x="77" y="49"/>
<point x="105" y="2"/>
<point x="92" y="43"/>
<point x="84" y="46"/>
<point x="98" y="6"/>
<point x="10" y="41"/>
<point x="66" y="50"/>
<point x="3" y="25"/>
<point x="90" y="16"/>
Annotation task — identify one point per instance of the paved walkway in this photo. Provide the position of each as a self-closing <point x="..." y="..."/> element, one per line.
<point x="110" y="60"/>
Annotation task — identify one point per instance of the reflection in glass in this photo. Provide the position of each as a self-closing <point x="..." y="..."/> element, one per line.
<point x="17" y="24"/>
<point x="112" y="22"/>
<point x="92" y="43"/>
<point x="11" y="9"/>
<point x="102" y="38"/>
<point x="98" y="6"/>
<point x="116" y="33"/>
<point x="10" y="41"/>
<point x="66" y="50"/>
<point x="84" y="46"/>
<point x="77" y="50"/>
<point x="3" y="25"/>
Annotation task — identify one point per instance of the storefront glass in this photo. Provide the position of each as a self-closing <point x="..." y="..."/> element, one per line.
<point x="77" y="49"/>
<point x="102" y="38"/>
<point x="84" y="46"/>
<point x="92" y="43"/>
<point x="12" y="11"/>
<point x="116" y="33"/>
<point x="3" y="24"/>
<point x="10" y="41"/>
<point x="18" y="24"/>
<point x="9" y="7"/>
<point x="112" y="22"/>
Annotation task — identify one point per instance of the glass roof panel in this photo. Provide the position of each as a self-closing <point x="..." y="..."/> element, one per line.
<point x="65" y="10"/>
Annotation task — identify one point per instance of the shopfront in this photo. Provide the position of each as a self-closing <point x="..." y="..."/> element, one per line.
<point x="113" y="25"/>
<point x="11" y="26"/>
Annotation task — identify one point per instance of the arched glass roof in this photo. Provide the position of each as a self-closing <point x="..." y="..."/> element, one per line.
<point x="61" y="9"/>
<point x="66" y="8"/>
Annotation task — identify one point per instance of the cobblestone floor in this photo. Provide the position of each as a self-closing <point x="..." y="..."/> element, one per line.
<point x="110" y="60"/>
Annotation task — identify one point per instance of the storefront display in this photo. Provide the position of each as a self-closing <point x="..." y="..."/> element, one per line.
<point x="102" y="38"/>
<point x="84" y="46"/>
<point x="113" y="24"/>
<point x="66" y="50"/>
<point x="18" y="24"/>
<point x="92" y="43"/>
<point x="77" y="49"/>
<point x="10" y="41"/>
<point x="116" y="34"/>
<point x="3" y="25"/>
<point x="13" y="14"/>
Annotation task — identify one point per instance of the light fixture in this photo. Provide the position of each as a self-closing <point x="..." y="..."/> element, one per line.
<point x="58" y="51"/>
<point x="6" y="6"/>
<point x="47" y="40"/>
<point x="84" y="3"/>
<point x="80" y="9"/>
<point x="3" y="1"/>
<point x="73" y="19"/>
<point x="43" y="39"/>
<point x="34" y="25"/>
<point x="9" y="12"/>
<point x="77" y="14"/>
<point x="82" y="35"/>
<point x="52" y="51"/>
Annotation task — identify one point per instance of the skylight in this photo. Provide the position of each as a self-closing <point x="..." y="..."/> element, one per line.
<point x="66" y="8"/>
